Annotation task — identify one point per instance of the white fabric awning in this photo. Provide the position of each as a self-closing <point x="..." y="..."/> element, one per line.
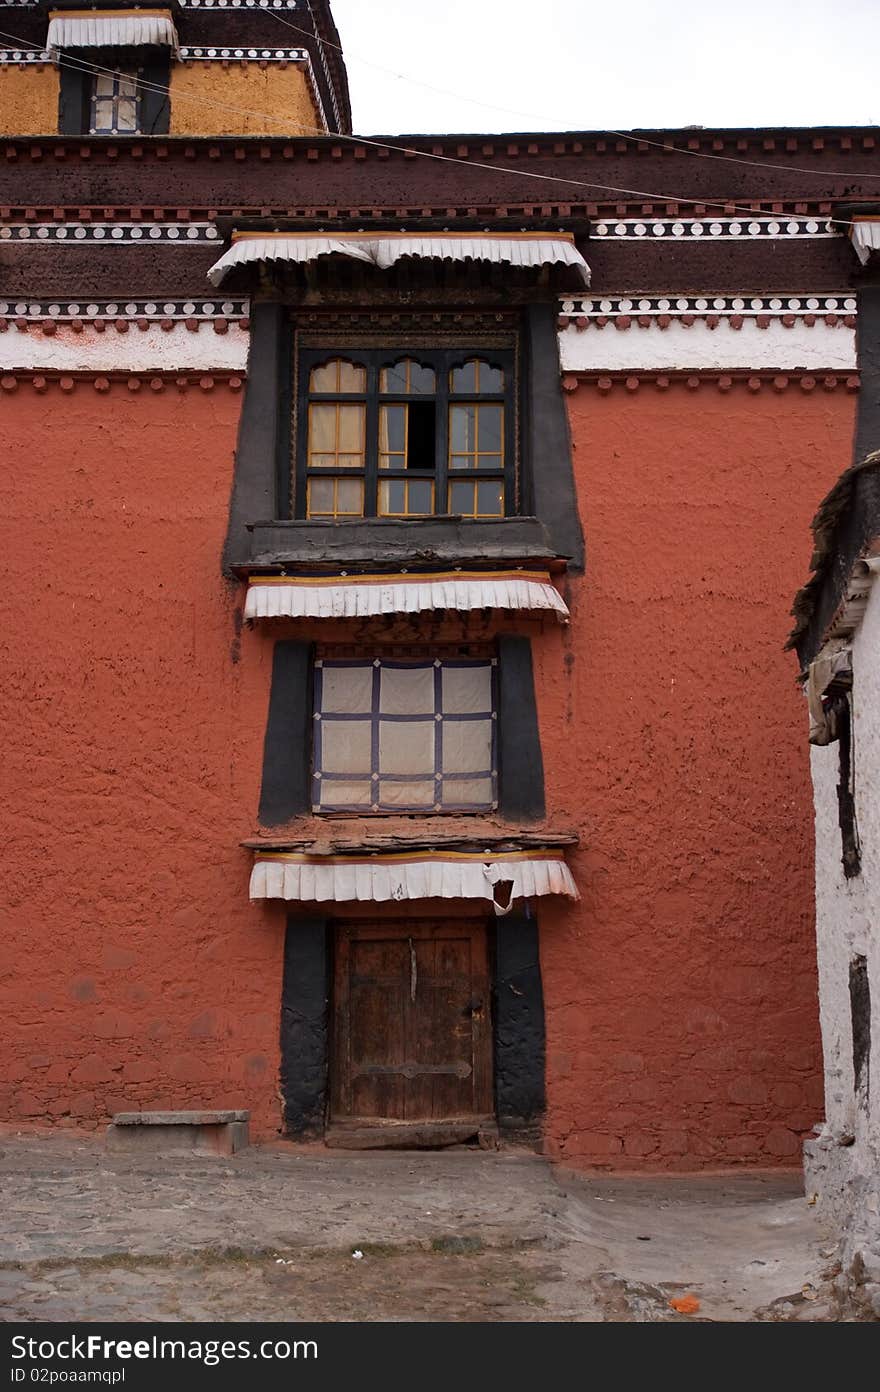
<point x="110" y="29"/>
<point x="498" y="879"/>
<point x="386" y="249"/>
<point x="865" y="233"/>
<point x="365" y="596"/>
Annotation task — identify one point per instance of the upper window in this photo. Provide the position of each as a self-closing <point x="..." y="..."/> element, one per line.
<point x="395" y="736"/>
<point x="115" y="91"/>
<point x="391" y="435"/>
<point x="114" y="105"/>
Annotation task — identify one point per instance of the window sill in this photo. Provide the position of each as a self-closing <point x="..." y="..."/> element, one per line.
<point x="321" y="835"/>
<point x="394" y="541"/>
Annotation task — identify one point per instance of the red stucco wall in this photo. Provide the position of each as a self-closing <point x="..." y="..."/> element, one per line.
<point x="681" y="994"/>
<point x="132" y="972"/>
<point x="683" y="1026"/>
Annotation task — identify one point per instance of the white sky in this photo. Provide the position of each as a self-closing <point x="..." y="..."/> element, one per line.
<point x="584" y="65"/>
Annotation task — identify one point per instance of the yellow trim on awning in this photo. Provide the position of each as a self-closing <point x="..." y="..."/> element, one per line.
<point x="496" y="878"/>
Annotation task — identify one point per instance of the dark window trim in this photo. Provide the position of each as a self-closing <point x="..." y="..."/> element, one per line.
<point x="442" y="360"/>
<point x="153" y="67"/>
<point x="860" y="1018"/>
<point x="546" y="522"/>
<point x="288" y="757"/>
<point x="851" y="857"/>
<point x="287" y="748"/>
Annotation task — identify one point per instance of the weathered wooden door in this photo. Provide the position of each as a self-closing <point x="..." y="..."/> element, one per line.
<point x="412" y="1033"/>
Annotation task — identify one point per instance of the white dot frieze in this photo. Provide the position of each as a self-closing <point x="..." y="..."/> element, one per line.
<point x="699" y="306"/>
<point x="60" y="310"/>
<point x="722" y="229"/>
<point x="118" y="233"/>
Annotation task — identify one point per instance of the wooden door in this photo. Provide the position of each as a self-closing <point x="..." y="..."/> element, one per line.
<point x="412" y="1030"/>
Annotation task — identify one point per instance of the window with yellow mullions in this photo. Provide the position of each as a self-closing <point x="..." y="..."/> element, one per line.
<point x="406" y="436"/>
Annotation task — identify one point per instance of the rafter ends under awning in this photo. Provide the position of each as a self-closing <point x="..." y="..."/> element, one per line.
<point x="498" y="880"/>
<point x="865" y="234"/>
<point x="366" y="596"/>
<point x="110" y="29"/>
<point x="525" y="249"/>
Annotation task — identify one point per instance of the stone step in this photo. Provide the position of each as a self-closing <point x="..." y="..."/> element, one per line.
<point x="157" y="1133"/>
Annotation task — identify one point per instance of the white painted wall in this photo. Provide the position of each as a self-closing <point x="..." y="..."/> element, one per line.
<point x="843" y="1166"/>
<point x="137" y="350"/>
<point x="817" y="348"/>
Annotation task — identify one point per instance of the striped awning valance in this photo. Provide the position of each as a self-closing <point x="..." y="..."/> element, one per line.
<point x="366" y="596"/>
<point x="387" y="248"/>
<point x="110" y="29"/>
<point x="865" y="233"/>
<point x="499" y="879"/>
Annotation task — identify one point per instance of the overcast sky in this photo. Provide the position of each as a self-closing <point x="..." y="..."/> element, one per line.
<point x="580" y="65"/>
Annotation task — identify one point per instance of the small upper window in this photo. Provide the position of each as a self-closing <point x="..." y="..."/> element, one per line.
<point x="386" y="436"/>
<point x="115" y="105"/>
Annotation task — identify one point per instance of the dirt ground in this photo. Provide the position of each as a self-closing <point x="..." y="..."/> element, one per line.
<point x="274" y="1233"/>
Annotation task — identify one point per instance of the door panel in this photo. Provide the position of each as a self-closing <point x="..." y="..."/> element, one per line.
<point x="412" y="1036"/>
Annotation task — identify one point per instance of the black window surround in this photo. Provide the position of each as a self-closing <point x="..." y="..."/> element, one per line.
<point x="287" y="750"/>
<point x="263" y="531"/>
<point x="436" y="468"/>
<point x="77" y="72"/>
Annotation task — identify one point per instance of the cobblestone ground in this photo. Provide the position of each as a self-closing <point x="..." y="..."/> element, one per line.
<point x="456" y="1235"/>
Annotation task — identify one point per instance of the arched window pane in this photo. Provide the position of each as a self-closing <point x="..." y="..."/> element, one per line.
<point x="338" y="375"/>
<point x="477" y="378"/>
<point x="407" y="378"/>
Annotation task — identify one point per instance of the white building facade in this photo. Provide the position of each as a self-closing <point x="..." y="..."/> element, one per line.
<point x="838" y="641"/>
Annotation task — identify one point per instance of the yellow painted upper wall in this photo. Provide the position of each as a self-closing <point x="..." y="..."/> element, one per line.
<point x="249" y="100"/>
<point x="207" y="98"/>
<point x="29" y="100"/>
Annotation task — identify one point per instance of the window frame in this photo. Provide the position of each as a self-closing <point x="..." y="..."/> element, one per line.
<point x="395" y="660"/>
<point x="442" y="360"/>
<point x="132" y="74"/>
<point x="152" y="64"/>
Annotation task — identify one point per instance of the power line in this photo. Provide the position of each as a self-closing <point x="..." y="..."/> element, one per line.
<point x="82" y="65"/>
<point x="531" y="116"/>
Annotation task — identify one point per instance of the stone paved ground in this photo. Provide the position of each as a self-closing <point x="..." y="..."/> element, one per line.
<point x="450" y="1235"/>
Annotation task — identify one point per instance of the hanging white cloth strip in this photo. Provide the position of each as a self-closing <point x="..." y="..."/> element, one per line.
<point x="364" y="596"/>
<point x="499" y="880"/>
<point x="865" y="233"/>
<point x="524" y="249"/>
<point x="110" y="29"/>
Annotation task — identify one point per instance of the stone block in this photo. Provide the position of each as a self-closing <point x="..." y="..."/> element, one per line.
<point x="179" y="1133"/>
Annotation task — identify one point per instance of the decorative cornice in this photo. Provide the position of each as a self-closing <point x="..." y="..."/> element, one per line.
<point x="20" y="57"/>
<point x="252" y="55"/>
<point x="191" y="4"/>
<point x="106" y="234"/>
<point x="242" y="5"/>
<point x="606" y="382"/>
<point x="710" y="228"/>
<point x="648" y="311"/>
<point x="102" y="381"/>
<point x="41" y="312"/>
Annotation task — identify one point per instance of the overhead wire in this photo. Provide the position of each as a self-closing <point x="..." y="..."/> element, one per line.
<point x="83" y="65"/>
<point x="632" y="136"/>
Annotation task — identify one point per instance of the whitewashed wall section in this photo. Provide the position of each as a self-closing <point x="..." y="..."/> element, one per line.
<point x="848" y="925"/>
<point x="785" y="333"/>
<point x="179" y="337"/>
